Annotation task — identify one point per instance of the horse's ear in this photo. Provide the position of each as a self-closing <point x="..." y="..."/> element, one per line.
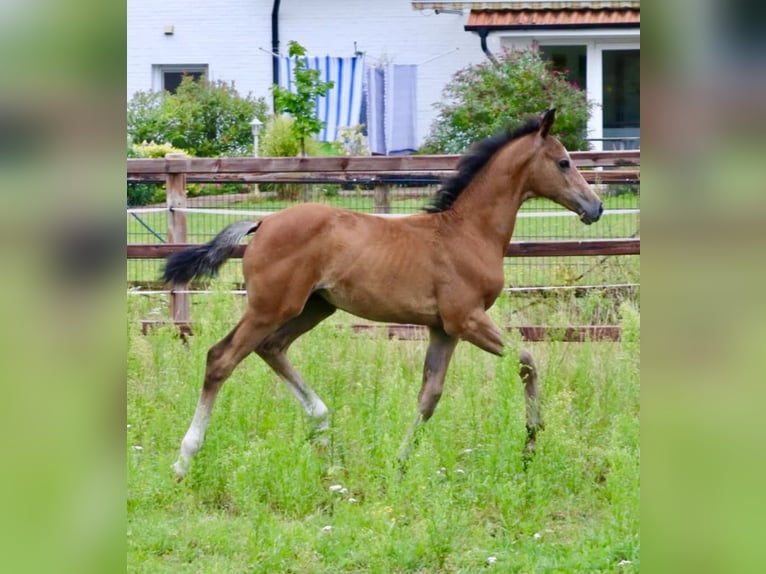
<point x="546" y="121"/>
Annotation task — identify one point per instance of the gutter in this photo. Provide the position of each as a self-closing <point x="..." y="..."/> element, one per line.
<point x="275" y="42"/>
<point x="483" y="33"/>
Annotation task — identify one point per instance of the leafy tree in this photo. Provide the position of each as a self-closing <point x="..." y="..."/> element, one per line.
<point x="484" y="98"/>
<point x="301" y="104"/>
<point x="205" y="119"/>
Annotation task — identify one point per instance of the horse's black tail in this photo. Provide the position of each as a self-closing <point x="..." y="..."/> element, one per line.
<point x="205" y="260"/>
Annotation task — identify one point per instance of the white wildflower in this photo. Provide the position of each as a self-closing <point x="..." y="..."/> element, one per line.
<point x="327" y="528"/>
<point x="491" y="559"/>
<point x="336" y="488"/>
<point x="537" y="536"/>
<point x="138" y="447"/>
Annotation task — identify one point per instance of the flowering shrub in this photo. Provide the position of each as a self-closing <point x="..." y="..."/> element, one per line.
<point x="152" y="150"/>
<point x="145" y="193"/>
<point x="484" y="98"/>
<point x="353" y="141"/>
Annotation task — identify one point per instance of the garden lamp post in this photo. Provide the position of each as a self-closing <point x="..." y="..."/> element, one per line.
<point x="255" y="127"/>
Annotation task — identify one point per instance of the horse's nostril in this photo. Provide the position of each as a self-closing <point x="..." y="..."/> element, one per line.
<point x="600" y="209"/>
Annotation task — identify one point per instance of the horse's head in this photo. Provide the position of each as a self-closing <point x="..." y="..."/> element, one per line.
<point x="553" y="175"/>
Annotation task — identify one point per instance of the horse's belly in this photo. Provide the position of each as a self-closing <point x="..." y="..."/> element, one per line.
<point x="385" y="308"/>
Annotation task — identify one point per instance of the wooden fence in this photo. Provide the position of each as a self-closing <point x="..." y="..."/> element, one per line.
<point x="379" y="172"/>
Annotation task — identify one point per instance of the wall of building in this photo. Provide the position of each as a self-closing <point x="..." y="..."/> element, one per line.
<point x="227" y="36"/>
<point x="596" y="44"/>
<point x="233" y="37"/>
<point x="389" y="32"/>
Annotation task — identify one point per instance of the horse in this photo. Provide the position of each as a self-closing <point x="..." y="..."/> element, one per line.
<point x="442" y="269"/>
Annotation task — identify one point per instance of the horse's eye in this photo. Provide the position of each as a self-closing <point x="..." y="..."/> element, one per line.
<point x="564" y="163"/>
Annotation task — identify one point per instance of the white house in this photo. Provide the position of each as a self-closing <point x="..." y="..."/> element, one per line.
<point x="425" y="43"/>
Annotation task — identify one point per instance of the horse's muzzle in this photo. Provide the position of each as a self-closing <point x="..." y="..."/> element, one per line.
<point x="588" y="216"/>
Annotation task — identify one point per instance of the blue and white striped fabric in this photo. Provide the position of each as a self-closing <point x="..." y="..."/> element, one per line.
<point x="342" y="105"/>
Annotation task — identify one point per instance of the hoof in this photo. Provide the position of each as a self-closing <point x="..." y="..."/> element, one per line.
<point x="180" y="468"/>
<point x="320" y="436"/>
<point x="529" y="448"/>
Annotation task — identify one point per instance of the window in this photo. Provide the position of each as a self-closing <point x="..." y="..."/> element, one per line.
<point x="168" y="77"/>
<point x="622" y="93"/>
<point x="570" y="60"/>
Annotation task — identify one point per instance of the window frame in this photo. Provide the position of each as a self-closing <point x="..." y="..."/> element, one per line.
<point x="159" y="71"/>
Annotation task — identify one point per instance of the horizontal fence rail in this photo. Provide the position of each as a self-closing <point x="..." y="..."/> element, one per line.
<point x="383" y="169"/>
<point x="566" y="248"/>
<point x="398" y="164"/>
<point x="380" y="173"/>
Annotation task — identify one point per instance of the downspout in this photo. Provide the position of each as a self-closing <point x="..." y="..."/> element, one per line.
<point x="275" y="42"/>
<point x="483" y="33"/>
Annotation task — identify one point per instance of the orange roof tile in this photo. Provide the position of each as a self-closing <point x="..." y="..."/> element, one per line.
<point x="552" y="19"/>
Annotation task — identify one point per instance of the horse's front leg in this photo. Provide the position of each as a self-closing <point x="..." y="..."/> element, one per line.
<point x="440" y="349"/>
<point x="528" y="373"/>
<point x="476" y="327"/>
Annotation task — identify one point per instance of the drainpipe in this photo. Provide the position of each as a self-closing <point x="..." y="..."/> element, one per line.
<point x="483" y="33"/>
<point x="275" y="42"/>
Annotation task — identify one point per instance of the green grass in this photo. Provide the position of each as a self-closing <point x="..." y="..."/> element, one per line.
<point x="258" y="497"/>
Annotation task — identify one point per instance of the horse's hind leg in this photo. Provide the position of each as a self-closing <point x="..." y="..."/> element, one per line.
<point x="528" y="373"/>
<point x="221" y="360"/>
<point x="273" y="351"/>
<point x="440" y="349"/>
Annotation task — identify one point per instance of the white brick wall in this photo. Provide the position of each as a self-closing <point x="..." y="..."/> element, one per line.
<point x="224" y="34"/>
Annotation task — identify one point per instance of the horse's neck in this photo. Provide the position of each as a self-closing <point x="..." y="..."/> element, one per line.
<point x="493" y="198"/>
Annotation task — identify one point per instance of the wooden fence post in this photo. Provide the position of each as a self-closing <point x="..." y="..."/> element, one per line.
<point x="382" y="198"/>
<point x="176" y="197"/>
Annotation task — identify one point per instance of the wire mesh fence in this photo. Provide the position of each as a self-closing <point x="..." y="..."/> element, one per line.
<point x="210" y="207"/>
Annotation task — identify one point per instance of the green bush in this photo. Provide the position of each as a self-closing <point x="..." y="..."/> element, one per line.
<point x="206" y="119"/>
<point x="484" y="98"/>
<point x="279" y="140"/>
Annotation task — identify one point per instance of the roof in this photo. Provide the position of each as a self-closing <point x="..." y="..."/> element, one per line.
<point x="526" y="4"/>
<point x="552" y="19"/>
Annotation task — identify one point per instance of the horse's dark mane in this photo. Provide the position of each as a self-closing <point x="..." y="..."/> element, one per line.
<point x="473" y="161"/>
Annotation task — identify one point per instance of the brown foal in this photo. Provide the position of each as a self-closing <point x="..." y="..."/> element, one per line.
<point x="442" y="269"/>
